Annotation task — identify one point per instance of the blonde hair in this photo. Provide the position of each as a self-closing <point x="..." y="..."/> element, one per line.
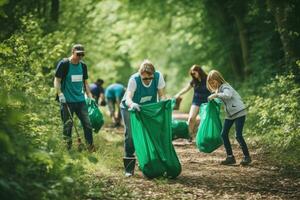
<point x="216" y="76"/>
<point x="146" y="67"/>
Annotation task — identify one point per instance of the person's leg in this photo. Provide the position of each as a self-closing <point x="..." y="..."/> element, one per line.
<point x="66" y="109"/>
<point x="129" y="157"/>
<point x="225" y="131"/>
<point x="128" y="145"/>
<point x="118" y="114"/>
<point x="82" y="113"/>
<point x="111" y="108"/>
<point x="239" y="125"/>
<point x="194" y="110"/>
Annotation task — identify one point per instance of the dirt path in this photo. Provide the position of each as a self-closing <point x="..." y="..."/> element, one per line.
<point x="202" y="177"/>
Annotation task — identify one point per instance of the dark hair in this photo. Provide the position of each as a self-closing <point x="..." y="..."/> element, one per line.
<point x="200" y="71"/>
<point x="99" y="82"/>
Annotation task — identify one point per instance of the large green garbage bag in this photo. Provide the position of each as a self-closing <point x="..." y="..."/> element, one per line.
<point x="152" y="138"/>
<point x="95" y="115"/>
<point x="208" y="136"/>
<point x="180" y="129"/>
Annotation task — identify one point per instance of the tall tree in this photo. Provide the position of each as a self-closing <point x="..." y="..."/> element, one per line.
<point x="55" y="10"/>
<point x="282" y="12"/>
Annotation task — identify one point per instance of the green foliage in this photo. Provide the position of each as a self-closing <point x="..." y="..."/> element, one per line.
<point x="32" y="167"/>
<point x="117" y="36"/>
<point x="274" y="115"/>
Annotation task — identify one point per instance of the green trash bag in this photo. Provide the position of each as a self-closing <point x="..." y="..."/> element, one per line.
<point x="95" y="115"/>
<point x="208" y="136"/>
<point x="180" y="129"/>
<point x="152" y="138"/>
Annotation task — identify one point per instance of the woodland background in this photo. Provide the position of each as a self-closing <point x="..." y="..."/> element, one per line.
<point x="255" y="44"/>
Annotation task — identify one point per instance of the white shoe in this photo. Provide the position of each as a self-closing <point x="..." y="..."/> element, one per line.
<point x="128" y="174"/>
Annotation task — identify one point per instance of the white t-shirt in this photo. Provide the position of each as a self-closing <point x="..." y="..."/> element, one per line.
<point x="132" y="84"/>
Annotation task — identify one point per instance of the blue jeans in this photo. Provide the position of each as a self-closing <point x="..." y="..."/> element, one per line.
<point x="80" y="109"/>
<point x="128" y="144"/>
<point x="239" y="124"/>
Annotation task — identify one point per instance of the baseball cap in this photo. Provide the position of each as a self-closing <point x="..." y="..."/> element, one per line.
<point x="78" y="48"/>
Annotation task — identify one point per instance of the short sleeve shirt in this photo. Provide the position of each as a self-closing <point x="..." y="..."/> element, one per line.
<point x="72" y="86"/>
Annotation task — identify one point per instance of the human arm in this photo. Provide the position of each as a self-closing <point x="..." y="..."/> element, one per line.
<point x="57" y="86"/>
<point x="160" y="87"/>
<point x="87" y="89"/>
<point x="161" y="94"/>
<point x="59" y="74"/>
<point x="101" y="100"/>
<point x="225" y="93"/>
<point x="183" y="91"/>
<point x="129" y="95"/>
<point x="129" y="102"/>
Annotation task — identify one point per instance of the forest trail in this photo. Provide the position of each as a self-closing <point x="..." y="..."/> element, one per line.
<point x="202" y="177"/>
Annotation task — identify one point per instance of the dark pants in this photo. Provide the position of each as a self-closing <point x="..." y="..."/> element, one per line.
<point x="80" y="109"/>
<point x="128" y="144"/>
<point x="239" y="124"/>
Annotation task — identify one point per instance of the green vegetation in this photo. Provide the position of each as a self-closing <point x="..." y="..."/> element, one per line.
<point x="255" y="44"/>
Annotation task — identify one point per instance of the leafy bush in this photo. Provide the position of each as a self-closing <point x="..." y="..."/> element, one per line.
<point x="274" y="115"/>
<point x="32" y="165"/>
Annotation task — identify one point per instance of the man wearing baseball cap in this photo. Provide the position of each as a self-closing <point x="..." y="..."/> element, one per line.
<point x="70" y="83"/>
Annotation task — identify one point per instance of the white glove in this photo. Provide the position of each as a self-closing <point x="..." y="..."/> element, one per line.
<point x="62" y="98"/>
<point x="176" y="96"/>
<point x="212" y="96"/>
<point x="135" y="106"/>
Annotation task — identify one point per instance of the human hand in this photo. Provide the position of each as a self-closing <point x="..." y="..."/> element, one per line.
<point x="177" y="96"/>
<point x="89" y="100"/>
<point x="135" y="106"/>
<point x="212" y="96"/>
<point x="62" y="98"/>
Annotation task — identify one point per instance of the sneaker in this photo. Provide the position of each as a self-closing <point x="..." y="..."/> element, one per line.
<point x="230" y="160"/>
<point x="128" y="174"/>
<point x="246" y="160"/>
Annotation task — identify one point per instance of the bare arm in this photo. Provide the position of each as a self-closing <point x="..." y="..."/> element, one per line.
<point x="183" y="91"/>
<point x="161" y="94"/>
<point x="57" y="85"/>
<point x="87" y="89"/>
<point x="101" y="98"/>
<point x="129" y="96"/>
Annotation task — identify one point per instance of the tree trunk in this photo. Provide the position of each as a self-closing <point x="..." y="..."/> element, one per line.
<point x="234" y="54"/>
<point x="54" y="10"/>
<point x="280" y="11"/>
<point x="243" y="42"/>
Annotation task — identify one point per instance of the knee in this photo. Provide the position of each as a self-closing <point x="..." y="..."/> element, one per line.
<point x="239" y="138"/>
<point x="224" y="134"/>
<point x="191" y="120"/>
